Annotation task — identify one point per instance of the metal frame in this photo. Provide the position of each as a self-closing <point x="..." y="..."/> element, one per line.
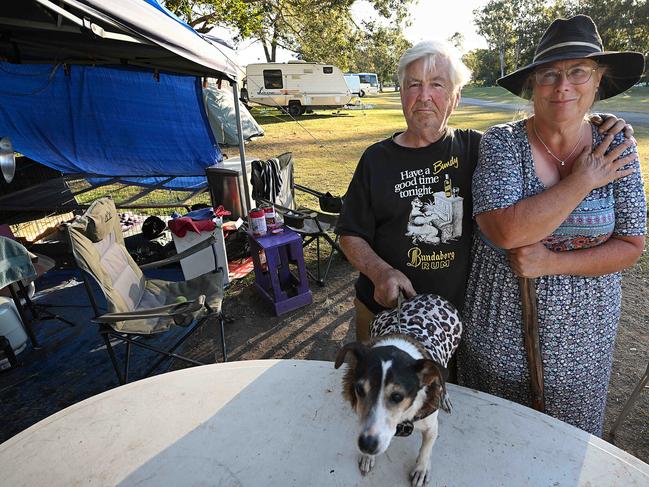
<point x="308" y="238"/>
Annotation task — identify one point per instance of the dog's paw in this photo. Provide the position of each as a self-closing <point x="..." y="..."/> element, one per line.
<point x="419" y="475"/>
<point x="365" y="463"/>
<point x="445" y="403"/>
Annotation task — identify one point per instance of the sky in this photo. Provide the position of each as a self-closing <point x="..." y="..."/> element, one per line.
<point x="431" y="19"/>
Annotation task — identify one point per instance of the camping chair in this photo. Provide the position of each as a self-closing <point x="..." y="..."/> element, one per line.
<point x="312" y="225"/>
<point x="137" y="306"/>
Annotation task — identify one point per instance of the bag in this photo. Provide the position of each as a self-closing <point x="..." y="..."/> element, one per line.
<point x="330" y="203"/>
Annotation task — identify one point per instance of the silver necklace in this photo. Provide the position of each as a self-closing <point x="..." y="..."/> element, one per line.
<point x="561" y="161"/>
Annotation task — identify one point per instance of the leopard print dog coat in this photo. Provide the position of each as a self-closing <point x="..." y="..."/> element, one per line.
<point x="429" y="319"/>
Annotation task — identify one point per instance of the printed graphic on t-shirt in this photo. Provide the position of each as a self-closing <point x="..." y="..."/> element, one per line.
<point x="437" y="208"/>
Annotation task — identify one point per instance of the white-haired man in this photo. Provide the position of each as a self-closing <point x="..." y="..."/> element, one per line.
<point x="406" y="224"/>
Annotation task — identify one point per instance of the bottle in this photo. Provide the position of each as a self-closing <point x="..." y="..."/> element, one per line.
<point x="448" y="186"/>
<point x="269" y="213"/>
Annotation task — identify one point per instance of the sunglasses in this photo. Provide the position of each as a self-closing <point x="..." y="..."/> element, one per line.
<point x="577" y="75"/>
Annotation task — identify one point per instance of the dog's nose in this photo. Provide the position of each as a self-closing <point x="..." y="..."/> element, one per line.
<point x="368" y="443"/>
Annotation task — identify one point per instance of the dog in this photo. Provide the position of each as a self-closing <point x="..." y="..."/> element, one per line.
<point x="396" y="382"/>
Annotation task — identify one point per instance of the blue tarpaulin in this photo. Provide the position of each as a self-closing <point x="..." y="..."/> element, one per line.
<point x="109" y="121"/>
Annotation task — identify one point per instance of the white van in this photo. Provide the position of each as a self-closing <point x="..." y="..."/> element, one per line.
<point x="296" y="86"/>
<point x="369" y="84"/>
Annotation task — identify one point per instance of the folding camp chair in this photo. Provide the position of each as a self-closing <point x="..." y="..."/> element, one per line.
<point x="138" y="306"/>
<point x="312" y="225"/>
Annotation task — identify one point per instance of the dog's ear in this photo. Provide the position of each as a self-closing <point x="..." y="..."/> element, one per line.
<point x="358" y="349"/>
<point x="428" y="371"/>
<point x="434" y="376"/>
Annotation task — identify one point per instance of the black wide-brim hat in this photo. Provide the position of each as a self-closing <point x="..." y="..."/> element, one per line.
<point x="577" y="38"/>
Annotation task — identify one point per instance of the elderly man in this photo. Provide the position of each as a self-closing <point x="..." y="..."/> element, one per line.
<point x="406" y="224"/>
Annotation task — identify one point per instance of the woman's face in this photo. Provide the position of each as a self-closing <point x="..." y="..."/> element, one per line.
<point x="559" y="92"/>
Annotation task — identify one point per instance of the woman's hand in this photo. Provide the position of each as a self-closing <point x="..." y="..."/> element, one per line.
<point x="597" y="169"/>
<point x="531" y="260"/>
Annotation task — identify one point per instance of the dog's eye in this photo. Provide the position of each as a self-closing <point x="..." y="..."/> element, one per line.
<point x="360" y="390"/>
<point x="396" y="398"/>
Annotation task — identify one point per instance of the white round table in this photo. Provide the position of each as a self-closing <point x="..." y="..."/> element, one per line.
<point x="284" y="423"/>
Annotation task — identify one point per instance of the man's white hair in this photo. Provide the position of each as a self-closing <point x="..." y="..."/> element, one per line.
<point x="431" y="51"/>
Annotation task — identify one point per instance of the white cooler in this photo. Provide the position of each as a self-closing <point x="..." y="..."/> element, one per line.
<point x="202" y="262"/>
<point x="11" y="327"/>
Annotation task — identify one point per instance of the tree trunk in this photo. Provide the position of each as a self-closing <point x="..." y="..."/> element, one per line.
<point x="517" y="54"/>
<point x="501" y="56"/>
<point x="266" y="52"/>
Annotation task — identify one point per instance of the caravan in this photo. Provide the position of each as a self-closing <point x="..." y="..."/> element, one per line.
<point x="296" y="86"/>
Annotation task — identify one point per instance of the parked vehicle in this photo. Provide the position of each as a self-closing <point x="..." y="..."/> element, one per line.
<point x="296" y="86"/>
<point x="369" y="84"/>
<point x="354" y="83"/>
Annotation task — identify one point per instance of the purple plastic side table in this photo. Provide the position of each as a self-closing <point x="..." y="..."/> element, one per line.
<point x="285" y="289"/>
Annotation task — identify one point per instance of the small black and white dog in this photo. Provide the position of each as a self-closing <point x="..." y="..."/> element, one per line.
<point x="397" y="381"/>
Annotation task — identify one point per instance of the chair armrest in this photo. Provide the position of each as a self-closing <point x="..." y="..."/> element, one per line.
<point x="308" y="190"/>
<point x="185" y="253"/>
<point x="168" y="310"/>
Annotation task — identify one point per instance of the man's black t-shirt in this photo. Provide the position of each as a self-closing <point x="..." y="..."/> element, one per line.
<point x="413" y="207"/>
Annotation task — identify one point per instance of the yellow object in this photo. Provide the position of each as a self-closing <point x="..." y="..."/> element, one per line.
<point x="181" y="299"/>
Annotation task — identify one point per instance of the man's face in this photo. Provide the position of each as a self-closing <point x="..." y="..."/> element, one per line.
<point x="428" y="98"/>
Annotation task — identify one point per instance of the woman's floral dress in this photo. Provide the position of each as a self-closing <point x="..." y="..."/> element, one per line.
<point x="578" y="315"/>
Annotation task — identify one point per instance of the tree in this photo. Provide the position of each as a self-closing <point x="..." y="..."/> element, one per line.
<point x="622" y="24"/>
<point x="378" y="51"/>
<point x="457" y="40"/>
<point x="483" y="64"/>
<point x="494" y="24"/>
<point x="316" y="30"/>
<point x="513" y="28"/>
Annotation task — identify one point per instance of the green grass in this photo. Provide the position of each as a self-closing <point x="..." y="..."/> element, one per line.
<point x="327" y="145"/>
<point x="634" y="100"/>
<point x="495" y="94"/>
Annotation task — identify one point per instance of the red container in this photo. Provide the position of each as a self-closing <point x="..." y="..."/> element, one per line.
<point x="257" y="222"/>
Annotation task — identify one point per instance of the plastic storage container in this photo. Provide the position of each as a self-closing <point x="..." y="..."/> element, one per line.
<point x="202" y="262"/>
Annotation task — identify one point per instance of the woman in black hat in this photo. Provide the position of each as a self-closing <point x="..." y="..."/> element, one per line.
<point x="556" y="201"/>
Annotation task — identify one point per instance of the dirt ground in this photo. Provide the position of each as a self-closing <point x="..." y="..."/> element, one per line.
<point x="316" y="332"/>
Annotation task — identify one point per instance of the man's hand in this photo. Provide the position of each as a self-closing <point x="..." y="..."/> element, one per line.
<point x="531" y="260"/>
<point x="609" y="123"/>
<point x="386" y="279"/>
<point x="387" y="285"/>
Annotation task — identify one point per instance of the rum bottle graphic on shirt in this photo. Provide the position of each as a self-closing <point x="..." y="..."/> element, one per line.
<point x="448" y="187"/>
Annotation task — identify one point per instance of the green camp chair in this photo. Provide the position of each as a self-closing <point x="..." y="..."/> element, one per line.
<point x="138" y="306"/>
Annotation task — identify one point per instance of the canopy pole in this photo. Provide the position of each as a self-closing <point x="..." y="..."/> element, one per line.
<point x="242" y="150"/>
